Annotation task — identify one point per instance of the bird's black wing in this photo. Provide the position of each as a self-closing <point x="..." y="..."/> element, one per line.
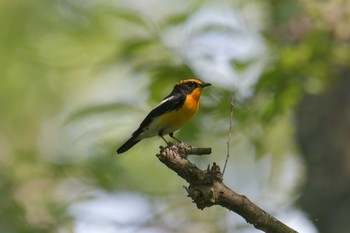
<point x="172" y="102"/>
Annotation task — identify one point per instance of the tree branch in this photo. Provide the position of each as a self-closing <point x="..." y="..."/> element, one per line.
<point x="206" y="188"/>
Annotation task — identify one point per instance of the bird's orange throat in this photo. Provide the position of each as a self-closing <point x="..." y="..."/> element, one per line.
<point x="196" y="94"/>
<point x="192" y="101"/>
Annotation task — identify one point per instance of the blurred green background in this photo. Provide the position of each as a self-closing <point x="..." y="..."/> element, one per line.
<point x="77" y="77"/>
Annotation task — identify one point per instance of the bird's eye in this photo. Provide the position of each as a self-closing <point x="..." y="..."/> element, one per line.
<point x="192" y="84"/>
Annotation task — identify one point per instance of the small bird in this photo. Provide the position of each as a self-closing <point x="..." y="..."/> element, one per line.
<point x="170" y="114"/>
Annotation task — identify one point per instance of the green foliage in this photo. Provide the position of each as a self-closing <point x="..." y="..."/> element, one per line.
<point x="55" y="69"/>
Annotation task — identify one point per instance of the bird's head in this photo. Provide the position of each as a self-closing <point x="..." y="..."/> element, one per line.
<point x="189" y="85"/>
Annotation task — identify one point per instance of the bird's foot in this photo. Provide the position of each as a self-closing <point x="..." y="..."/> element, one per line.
<point x="169" y="145"/>
<point x="180" y="148"/>
<point x="170" y="149"/>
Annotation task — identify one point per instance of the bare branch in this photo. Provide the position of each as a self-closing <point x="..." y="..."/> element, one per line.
<point x="229" y="134"/>
<point x="206" y="188"/>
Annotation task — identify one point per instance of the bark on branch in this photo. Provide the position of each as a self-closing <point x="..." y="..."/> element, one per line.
<point x="206" y="188"/>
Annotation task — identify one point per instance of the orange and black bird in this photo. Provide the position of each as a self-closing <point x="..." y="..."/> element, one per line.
<point x="170" y="114"/>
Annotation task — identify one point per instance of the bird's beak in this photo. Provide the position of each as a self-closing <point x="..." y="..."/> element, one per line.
<point x="206" y="85"/>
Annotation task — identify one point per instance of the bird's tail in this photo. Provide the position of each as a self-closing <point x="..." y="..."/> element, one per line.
<point x="127" y="145"/>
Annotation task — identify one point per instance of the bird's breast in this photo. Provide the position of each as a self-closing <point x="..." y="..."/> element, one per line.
<point x="174" y="120"/>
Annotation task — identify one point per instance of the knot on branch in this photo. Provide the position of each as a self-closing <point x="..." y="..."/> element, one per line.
<point x="215" y="173"/>
<point x="201" y="195"/>
<point x="202" y="190"/>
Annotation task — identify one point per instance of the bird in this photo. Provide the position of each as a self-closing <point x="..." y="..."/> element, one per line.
<point x="170" y="114"/>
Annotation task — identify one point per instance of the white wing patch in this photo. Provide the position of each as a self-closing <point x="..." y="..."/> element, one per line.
<point x="165" y="100"/>
<point x="153" y="128"/>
